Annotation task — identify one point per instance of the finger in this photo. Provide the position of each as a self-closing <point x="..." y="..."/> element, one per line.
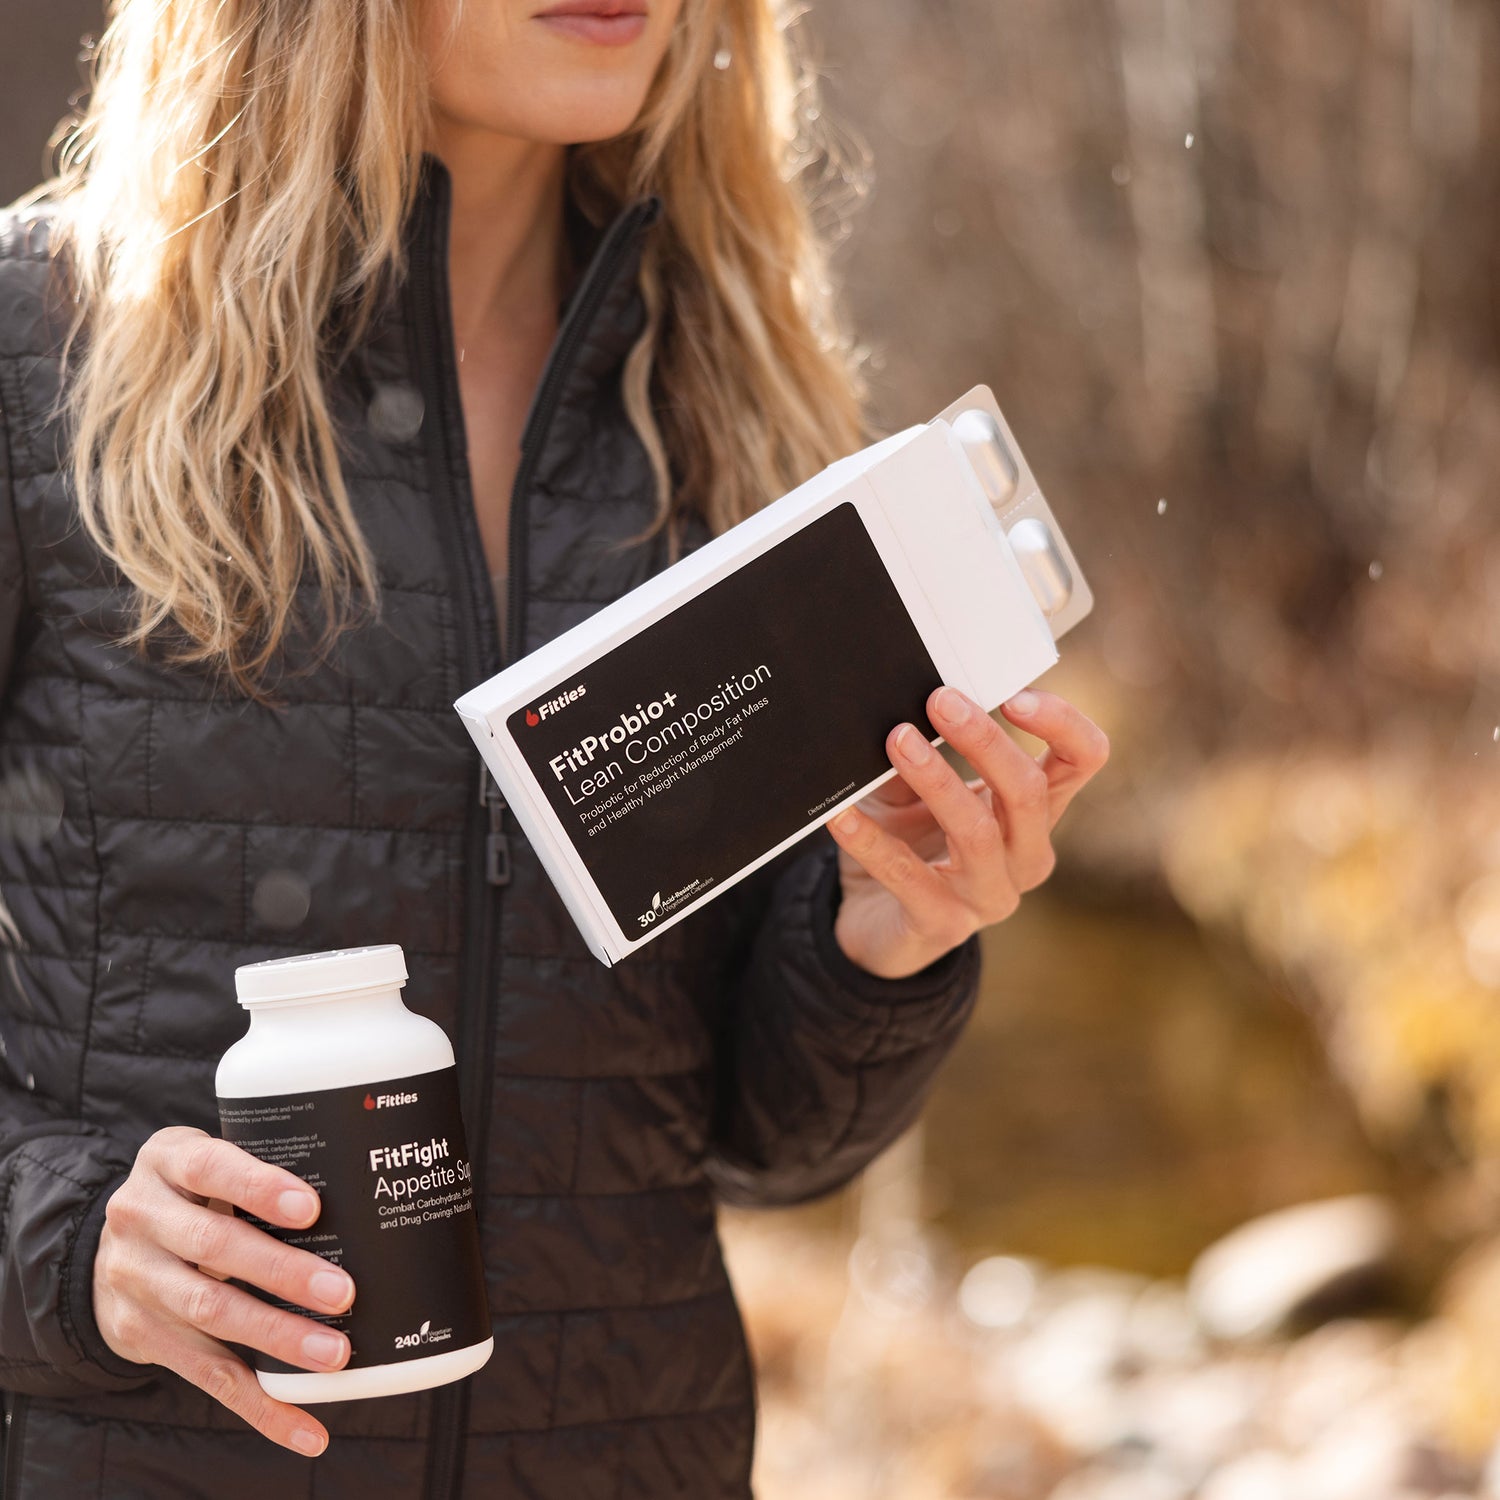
<point x="226" y="1312"/>
<point x="1076" y="747"/>
<point x="904" y="813"/>
<point x="230" y="1247"/>
<point x="1019" y="784"/>
<point x="975" y="838"/>
<point x="219" y="1206"/>
<point x="196" y="1164"/>
<point x="230" y="1381"/>
<point x="119" y="1283"/>
<point x="897" y="792"/>
<point x="932" y="908"/>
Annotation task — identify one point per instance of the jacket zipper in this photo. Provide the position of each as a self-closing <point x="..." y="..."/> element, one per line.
<point x="598" y="279"/>
<point x="15" y="1433"/>
<point x="496" y="842"/>
<point x="489" y="843"/>
<point x="453" y="505"/>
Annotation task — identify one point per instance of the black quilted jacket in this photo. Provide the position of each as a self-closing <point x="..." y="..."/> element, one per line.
<point x="156" y="831"/>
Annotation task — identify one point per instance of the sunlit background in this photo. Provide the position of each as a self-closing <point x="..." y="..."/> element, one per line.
<point x="1207" y="1203"/>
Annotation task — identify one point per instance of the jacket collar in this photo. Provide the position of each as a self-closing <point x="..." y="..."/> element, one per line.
<point x="622" y="313"/>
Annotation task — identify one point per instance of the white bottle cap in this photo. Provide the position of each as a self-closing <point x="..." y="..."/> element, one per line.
<point x="321" y="976"/>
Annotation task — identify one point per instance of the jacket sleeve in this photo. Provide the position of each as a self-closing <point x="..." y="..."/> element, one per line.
<point x="821" y="1064"/>
<point x="55" y="1173"/>
<point x="55" y="1178"/>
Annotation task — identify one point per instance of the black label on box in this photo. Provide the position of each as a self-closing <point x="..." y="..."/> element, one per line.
<point x="391" y="1167"/>
<point x="683" y="754"/>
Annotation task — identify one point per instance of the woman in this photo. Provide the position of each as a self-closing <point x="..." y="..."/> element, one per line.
<point x="343" y="316"/>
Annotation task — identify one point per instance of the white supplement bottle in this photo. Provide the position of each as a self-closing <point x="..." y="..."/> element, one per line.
<point x="338" y="1082"/>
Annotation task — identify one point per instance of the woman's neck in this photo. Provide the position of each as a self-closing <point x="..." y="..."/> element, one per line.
<point x="507" y="250"/>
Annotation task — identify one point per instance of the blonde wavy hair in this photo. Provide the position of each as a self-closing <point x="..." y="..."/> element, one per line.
<point x="241" y="173"/>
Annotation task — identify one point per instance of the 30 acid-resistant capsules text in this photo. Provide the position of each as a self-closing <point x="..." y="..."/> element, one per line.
<point x="338" y="1082"/>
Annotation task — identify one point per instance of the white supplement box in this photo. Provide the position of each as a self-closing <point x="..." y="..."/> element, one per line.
<point x="692" y="729"/>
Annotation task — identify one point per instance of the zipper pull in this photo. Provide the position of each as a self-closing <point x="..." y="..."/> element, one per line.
<point x="497" y="842"/>
<point x="497" y="855"/>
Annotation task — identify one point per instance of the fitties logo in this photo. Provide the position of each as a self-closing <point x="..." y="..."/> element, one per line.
<point x="386" y="1101"/>
<point x="534" y="716"/>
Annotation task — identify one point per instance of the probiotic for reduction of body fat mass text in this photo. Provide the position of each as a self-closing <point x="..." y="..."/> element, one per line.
<point x="339" y="1083"/>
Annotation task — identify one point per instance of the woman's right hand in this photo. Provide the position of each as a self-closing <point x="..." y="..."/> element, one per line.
<point x="160" y="1290"/>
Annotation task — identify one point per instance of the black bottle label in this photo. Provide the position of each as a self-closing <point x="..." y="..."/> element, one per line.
<point x="724" y="728"/>
<point x="390" y="1164"/>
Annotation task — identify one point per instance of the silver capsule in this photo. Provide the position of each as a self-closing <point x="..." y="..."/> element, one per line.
<point x="1044" y="567"/>
<point x="989" y="453"/>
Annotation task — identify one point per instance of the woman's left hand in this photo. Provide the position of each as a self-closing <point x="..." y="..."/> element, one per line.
<point x="928" y="858"/>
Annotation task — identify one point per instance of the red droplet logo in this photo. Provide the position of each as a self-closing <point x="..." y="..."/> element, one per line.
<point x="369" y="1101"/>
<point x="532" y="718"/>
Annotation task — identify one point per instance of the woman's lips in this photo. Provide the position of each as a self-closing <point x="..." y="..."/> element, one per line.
<point x="612" y="31"/>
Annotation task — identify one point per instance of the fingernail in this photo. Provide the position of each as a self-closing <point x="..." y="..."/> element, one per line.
<point x="297" y="1206"/>
<point x="331" y="1288"/>
<point x="1023" y="703"/>
<point x="913" y="745"/>
<point x="953" y="706"/>
<point x="323" y="1348"/>
<point x="305" y="1440"/>
<point x="847" y="821"/>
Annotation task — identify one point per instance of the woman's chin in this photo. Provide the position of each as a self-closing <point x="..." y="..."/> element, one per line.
<point x="581" y="104"/>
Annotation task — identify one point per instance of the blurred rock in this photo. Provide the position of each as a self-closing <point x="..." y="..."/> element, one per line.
<point x="1322" y="1377"/>
<point x="999" y="1292"/>
<point x="1359" y="1460"/>
<point x="1068" y="1366"/>
<point x="1257" y="1279"/>
<point x="1252" y="1476"/>
<point x="1192" y="1418"/>
<point x="1077" y="1384"/>
<point x="1105" y="1484"/>
<point x="1431" y="1469"/>
<point x="1162" y="1327"/>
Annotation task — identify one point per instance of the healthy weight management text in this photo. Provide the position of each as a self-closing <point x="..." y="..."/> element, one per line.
<point x="640" y="743"/>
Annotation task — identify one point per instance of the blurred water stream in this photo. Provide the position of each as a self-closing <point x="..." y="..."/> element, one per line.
<point x="1127" y="1091"/>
